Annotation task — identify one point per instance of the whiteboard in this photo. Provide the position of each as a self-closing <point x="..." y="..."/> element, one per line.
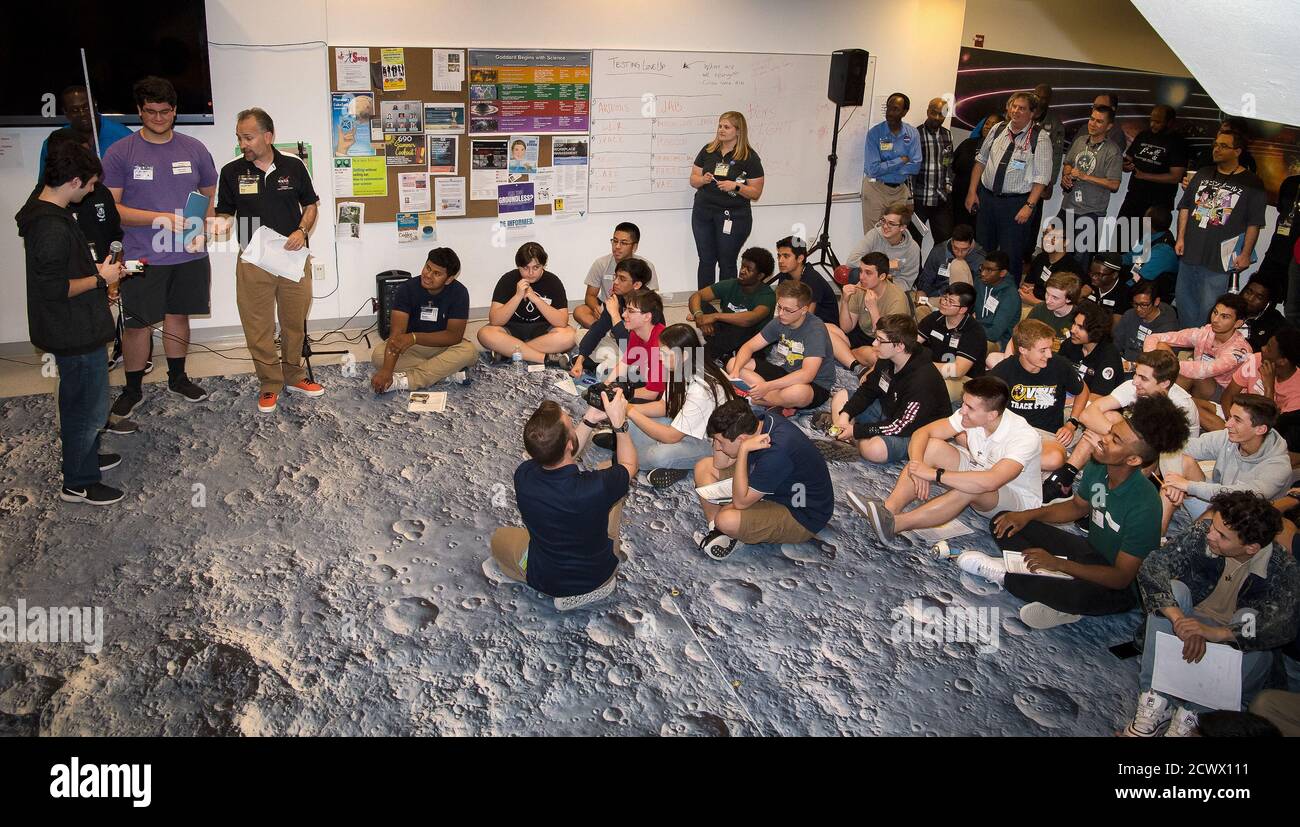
<point x="652" y="111"/>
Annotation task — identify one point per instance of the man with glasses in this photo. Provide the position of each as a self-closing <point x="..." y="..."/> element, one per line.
<point x="1222" y="202"/>
<point x="80" y="113"/>
<point x="151" y="175"/>
<point x="1011" y="173"/>
<point x="799" y="370"/>
<point x="939" y="270"/>
<point x="600" y="277"/>
<point x="1146" y="316"/>
<point x="890" y="237"/>
<point x="956" y="342"/>
<point x="903" y="393"/>
<point x="997" y="304"/>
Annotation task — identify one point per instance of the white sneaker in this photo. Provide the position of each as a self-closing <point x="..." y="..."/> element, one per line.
<point x="1185" y="724"/>
<point x="399" y="383"/>
<point x="1152" y="716"/>
<point x="715" y="544"/>
<point x="982" y="565"/>
<point x="1042" y="616"/>
<point x="577" y="601"/>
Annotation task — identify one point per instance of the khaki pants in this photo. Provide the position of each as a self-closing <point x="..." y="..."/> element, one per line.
<point x="424" y="365"/>
<point x="510" y="544"/>
<point x="876" y="196"/>
<point x="261" y="299"/>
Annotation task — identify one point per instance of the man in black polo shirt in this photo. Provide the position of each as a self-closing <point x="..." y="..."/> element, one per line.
<point x="1108" y="290"/>
<point x="1091" y="351"/>
<point x="791" y="256"/>
<point x="268" y="188"/>
<point x="956" y="341"/>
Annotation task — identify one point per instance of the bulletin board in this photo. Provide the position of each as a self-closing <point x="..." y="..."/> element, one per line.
<point x="419" y="83"/>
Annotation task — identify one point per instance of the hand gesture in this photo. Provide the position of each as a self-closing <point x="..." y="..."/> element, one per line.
<point x="615" y="407"/>
<point x="112" y="273"/>
<point x="1037" y="559"/>
<point x="756" y="443"/>
<point x="1009" y="523"/>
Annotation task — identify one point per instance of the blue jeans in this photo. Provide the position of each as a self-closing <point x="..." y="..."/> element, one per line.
<point x="896" y="445"/>
<point x="651" y="454"/>
<point x="83" y="410"/>
<point x="1195" y="292"/>
<point x="719" y="251"/>
<point x="997" y="228"/>
<point x="1255" y="666"/>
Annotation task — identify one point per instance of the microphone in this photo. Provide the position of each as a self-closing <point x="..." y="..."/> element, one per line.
<point x="115" y="252"/>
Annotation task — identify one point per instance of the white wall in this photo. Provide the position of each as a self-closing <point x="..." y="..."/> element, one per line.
<point x="916" y="43"/>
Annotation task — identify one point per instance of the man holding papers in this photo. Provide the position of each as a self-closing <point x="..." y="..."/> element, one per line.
<point x="1222" y="582"/>
<point x="1123" y="508"/>
<point x="151" y="175"/>
<point x="272" y="191"/>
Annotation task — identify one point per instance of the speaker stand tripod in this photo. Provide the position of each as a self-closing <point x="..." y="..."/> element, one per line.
<point x="825" y="254"/>
<point x="307" y="352"/>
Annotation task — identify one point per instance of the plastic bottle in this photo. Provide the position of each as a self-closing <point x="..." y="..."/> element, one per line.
<point x="517" y="358"/>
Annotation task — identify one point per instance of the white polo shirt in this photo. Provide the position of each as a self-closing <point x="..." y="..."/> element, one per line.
<point x="1014" y="439"/>
<point x="1125" y="394"/>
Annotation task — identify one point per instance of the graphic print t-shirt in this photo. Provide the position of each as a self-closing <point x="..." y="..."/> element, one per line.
<point x="1039" y="397"/>
<point x="1222" y="207"/>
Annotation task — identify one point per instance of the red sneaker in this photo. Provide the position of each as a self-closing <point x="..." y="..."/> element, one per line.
<point x="306" y="388"/>
<point x="266" y="402"/>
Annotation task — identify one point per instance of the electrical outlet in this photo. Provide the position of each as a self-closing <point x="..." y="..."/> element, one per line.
<point x="317" y="270"/>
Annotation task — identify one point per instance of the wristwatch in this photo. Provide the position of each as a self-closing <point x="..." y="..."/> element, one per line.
<point x="938" y="475"/>
<point x="621" y="429"/>
<point x="1076" y="423"/>
<point x="100" y="283"/>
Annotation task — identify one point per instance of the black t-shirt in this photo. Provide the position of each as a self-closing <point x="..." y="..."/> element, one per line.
<point x="709" y="196"/>
<point x="825" y="304"/>
<point x="1155" y="153"/>
<point x="566" y="512"/>
<point x="548" y="287"/>
<point x="428" y="312"/>
<point x="1258" y="330"/>
<point x="1040" y="397"/>
<point x="97" y="217"/>
<point x="1220" y="207"/>
<point x="967" y="340"/>
<point x="1041" y="269"/>
<point x="1117" y="301"/>
<point x="275" y="199"/>
<point x="1279" y="254"/>
<point x="1102" y="370"/>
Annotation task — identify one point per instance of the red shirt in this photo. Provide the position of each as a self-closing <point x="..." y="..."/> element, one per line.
<point x="642" y="360"/>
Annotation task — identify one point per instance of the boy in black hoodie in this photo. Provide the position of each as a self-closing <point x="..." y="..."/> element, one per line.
<point x="68" y="316"/>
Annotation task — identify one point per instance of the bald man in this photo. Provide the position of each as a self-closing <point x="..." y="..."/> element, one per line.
<point x="932" y="185"/>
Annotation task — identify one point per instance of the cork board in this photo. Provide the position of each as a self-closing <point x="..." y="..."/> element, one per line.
<point x="419" y="83"/>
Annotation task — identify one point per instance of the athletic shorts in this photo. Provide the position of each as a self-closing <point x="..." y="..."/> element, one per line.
<point x="1009" y="498"/>
<point x="1051" y="437"/>
<point x="771" y="373"/>
<point x="768" y="522"/>
<point x="168" y="289"/>
<point x="859" y="339"/>
<point x="527" y="331"/>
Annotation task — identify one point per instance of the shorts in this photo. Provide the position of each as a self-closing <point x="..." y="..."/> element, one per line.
<point x="183" y="289"/>
<point x="859" y="339"/>
<point x="768" y="522"/>
<point x="527" y="331"/>
<point x="1009" y="497"/>
<point x="1051" y="437"/>
<point x="771" y="373"/>
<point x="896" y="446"/>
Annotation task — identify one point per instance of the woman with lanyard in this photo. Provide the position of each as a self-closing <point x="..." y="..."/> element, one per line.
<point x="727" y="176"/>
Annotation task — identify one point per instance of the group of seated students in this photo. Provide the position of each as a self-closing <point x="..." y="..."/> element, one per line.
<point x="965" y="381"/>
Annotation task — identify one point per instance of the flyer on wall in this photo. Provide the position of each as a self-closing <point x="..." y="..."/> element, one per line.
<point x="402" y="117"/>
<point x="347" y="225"/>
<point x="444" y="118"/>
<point x="352" y="69"/>
<point x="444" y="154"/>
<point x="448" y="70"/>
<point x="417" y="228"/>
<point x="544" y="180"/>
<point x="404" y="150"/>
<point x="449" y="196"/>
<point x="515" y="211"/>
<point x="569" y="189"/>
<point x="350" y="114"/>
<point x="394" y="69"/>
<point x="524" y="151"/>
<point x="487" y="168"/>
<point x="413" y="192"/>
<point x="537" y="91"/>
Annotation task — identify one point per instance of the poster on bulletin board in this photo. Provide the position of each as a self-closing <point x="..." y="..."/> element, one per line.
<point x="532" y="91"/>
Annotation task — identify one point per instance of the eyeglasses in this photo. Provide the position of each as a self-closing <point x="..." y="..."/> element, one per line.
<point x="618" y="242"/>
<point x="158" y="113"/>
<point x="949" y="300"/>
<point x="787" y="310"/>
<point x="1143" y="305"/>
<point x="881" y="341"/>
<point x="887" y="223"/>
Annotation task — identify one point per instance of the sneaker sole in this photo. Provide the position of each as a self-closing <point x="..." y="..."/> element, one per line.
<point x="312" y="394"/>
<point x="568" y="604"/>
<point x="263" y="409"/>
<point x="70" y="499"/>
<point x="111" y="429"/>
<point x="1127" y="732"/>
<point x="665" y="477"/>
<point x="103" y="468"/>
<point x="192" y="400"/>
<point x="128" y="411"/>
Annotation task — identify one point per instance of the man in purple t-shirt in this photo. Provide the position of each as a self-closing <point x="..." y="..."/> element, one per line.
<point x="151" y="175"/>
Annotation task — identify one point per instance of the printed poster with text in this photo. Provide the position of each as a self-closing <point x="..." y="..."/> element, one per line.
<point x="515" y="210"/>
<point x="537" y="92"/>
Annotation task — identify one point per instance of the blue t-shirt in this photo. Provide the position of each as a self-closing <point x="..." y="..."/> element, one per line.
<point x="566" y="512"/>
<point x="110" y="132"/>
<point x="428" y="312"/>
<point x="793" y="473"/>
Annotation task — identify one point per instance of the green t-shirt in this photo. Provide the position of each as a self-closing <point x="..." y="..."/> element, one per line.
<point x="1123" y="519"/>
<point x="733" y="299"/>
<point x="1060" y="325"/>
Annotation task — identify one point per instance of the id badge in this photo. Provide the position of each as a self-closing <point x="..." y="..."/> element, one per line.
<point x="886" y="146"/>
<point x="1078" y="196"/>
<point x="884" y="384"/>
<point x="428" y="313"/>
<point x="142" y="173"/>
<point x="943" y="272"/>
<point x="721" y="170"/>
<point x="182" y="168"/>
<point x="248" y="185"/>
<point x="726" y="227"/>
<point x="991" y="304"/>
<point x="1017" y="165"/>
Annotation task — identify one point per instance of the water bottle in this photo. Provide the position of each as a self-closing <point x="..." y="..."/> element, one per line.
<point x="517" y="358"/>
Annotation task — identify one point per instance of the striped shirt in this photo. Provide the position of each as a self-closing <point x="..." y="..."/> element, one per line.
<point x="931" y="185"/>
<point x="1037" y="160"/>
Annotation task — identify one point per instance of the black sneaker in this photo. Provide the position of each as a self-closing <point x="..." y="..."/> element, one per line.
<point x="107" y="461"/>
<point x="558" y="360"/>
<point x="126" y="403"/>
<point x="1059" y="484"/>
<point x="121" y="426"/>
<point x="603" y="439"/>
<point x="94" y="494"/>
<point x="182" y="386"/>
<point x="822" y="421"/>
<point x="664" y="477"/>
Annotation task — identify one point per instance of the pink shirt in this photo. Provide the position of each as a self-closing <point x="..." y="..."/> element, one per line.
<point x="1210" y="359"/>
<point x="1285" y="394"/>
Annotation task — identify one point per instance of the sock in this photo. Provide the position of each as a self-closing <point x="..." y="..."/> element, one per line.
<point x="133" y="380"/>
<point x="175" y="367"/>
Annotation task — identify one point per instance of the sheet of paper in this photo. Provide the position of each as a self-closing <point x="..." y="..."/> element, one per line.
<point x="1214" y="682"/>
<point x="569" y="187"/>
<point x="350" y="216"/>
<point x="718" y="492"/>
<point x="369" y="177"/>
<point x="444" y="118"/>
<point x="448" y="70"/>
<point x="393" y="69"/>
<point x="428" y="402"/>
<point x="487" y="164"/>
<point x="266" y="250"/>
<point x="1015" y="561"/>
<point x="417" y="228"/>
<point x="515" y="211"/>
<point x="566" y="385"/>
<point x="352" y="69"/>
<point x="11" y="152"/>
<point x="536" y="368"/>
<point x="449" y="197"/>
<point x="544" y="180"/>
<point x="413" y="192"/>
<point x="444" y="154"/>
<point x="947" y="531"/>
